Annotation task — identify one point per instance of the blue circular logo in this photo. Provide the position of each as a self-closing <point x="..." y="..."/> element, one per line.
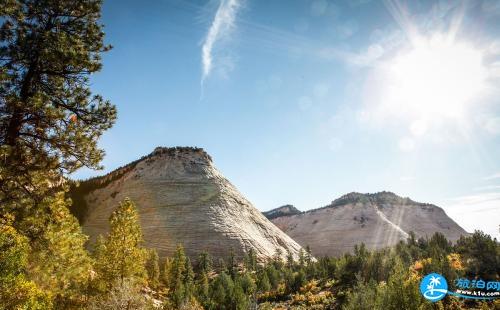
<point x="434" y="287"/>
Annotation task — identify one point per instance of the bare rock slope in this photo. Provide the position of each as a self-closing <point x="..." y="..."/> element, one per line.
<point x="181" y="198"/>
<point x="378" y="220"/>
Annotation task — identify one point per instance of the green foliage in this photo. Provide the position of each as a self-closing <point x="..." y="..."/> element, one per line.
<point x="263" y="284"/>
<point x="16" y="291"/>
<point x="179" y="278"/>
<point x="59" y="263"/>
<point x="153" y="268"/>
<point x="49" y="120"/>
<point x="482" y="253"/>
<point x="121" y="256"/>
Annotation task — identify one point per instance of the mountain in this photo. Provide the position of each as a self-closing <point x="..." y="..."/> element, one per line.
<point x="378" y="220"/>
<point x="181" y="198"/>
<point x="281" y="211"/>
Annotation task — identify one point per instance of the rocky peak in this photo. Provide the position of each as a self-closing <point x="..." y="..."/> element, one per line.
<point x="286" y="210"/>
<point x="379" y="198"/>
<point x="182" y="153"/>
<point x="182" y="199"/>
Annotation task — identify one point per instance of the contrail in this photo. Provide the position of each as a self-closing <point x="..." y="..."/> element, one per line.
<point x="221" y="26"/>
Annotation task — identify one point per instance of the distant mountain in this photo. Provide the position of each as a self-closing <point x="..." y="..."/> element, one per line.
<point x="181" y="198"/>
<point x="378" y="220"/>
<point x="281" y="211"/>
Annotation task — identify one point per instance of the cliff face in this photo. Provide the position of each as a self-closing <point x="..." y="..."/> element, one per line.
<point x="183" y="198"/>
<point x="378" y="220"/>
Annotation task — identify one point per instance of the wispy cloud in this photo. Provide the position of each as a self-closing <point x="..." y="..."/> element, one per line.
<point x="487" y="188"/>
<point x="222" y="24"/>
<point x="476" y="212"/>
<point x="492" y="177"/>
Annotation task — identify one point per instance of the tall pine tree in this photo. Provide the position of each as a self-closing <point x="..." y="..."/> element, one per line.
<point x="121" y="256"/>
<point x="49" y="119"/>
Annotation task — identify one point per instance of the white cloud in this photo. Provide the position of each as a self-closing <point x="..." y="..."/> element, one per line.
<point x="418" y="127"/>
<point x="487" y="188"/>
<point x="492" y="125"/>
<point x="222" y="24"/>
<point x="492" y="177"/>
<point x="406" y="144"/>
<point x="476" y="212"/>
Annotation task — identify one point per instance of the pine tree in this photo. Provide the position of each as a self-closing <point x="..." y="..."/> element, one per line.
<point x="203" y="289"/>
<point x="49" y="120"/>
<point x="153" y="268"/>
<point x="204" y="263"/>
<point x="59" y="263"/>
<point x="263" y="284"/>
<point x="221" y="291"/>
<point x="180" y="278"/>
<point x="231" y="264"/>
<point x="165" y="274"/>
<point x="121" y="256"/>
<point x="251" y="260"/>
<point x="16" y="291"/>
<point x="188" y="280"/>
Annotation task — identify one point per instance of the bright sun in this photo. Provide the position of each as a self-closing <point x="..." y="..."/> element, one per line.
<point x="437" y="78"/>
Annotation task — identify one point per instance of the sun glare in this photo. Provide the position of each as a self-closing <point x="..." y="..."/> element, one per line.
<point x="437" y="78"/>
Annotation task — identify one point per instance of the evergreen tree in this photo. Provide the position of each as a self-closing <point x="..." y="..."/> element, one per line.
<point x="180" y="278"/>
<point x="16" y="291"/>
<point x="290" y="262"/>
<point x="203" y="289"/>
<point x="153" y="268"/>
<point x="251" y="260"/>
<point x="302" y="258"/>
<point x="49" y="120"/>
<point x="188" y="280"/>
<point x="221" y="292"/>
<point x="263" y="283"/>
<point x="204" y="263"/>
<point x="165" y="274"/>
<point x="231" y="264"/>
<point x="59" y="263"/>
<point x="121" y="256"/>
<point x="483" y="254"/>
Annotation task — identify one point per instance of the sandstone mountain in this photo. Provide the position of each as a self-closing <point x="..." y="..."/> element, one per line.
<point x="181" y="198"/>
<point x="378" y="220"/>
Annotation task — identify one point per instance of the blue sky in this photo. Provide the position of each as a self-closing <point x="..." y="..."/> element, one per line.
<point x="303" y="101"/>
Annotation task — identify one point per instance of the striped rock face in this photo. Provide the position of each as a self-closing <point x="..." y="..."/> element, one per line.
<point x="183" y="199"/>
<point x="378" y="220"/>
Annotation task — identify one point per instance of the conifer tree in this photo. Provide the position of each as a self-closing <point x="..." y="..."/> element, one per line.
<point x="49" y="120"/>
<point x="16" y="291"/>
<point x="204" y="263"/>
<point x="180" y="278"/>
<point x="153" y="268"/>
<point x="59" y="262"/>
<point x="263" y="283"/>
<point x="251" y="260"/>
<point x="121" y="256"/>
<point x="165" y="273"/>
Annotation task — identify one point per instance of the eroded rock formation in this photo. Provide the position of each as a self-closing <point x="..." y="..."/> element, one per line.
<point x="182" y="198"/>
<point x="378" y="220"/>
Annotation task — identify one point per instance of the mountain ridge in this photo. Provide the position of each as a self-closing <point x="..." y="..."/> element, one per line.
<point x="378" y="220"/>
<point x="351" y="197"/>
